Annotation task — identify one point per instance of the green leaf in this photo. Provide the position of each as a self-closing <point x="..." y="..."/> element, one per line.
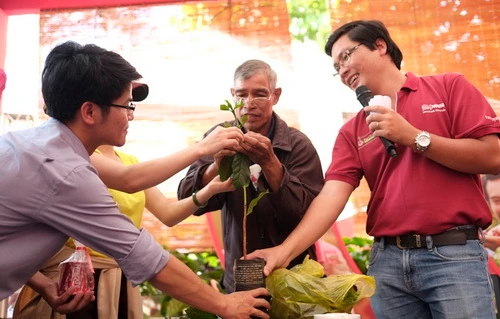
<point x="238" y="105"/>
<point x="243" y="119"/>
<point x="226" y="168"/>
<point x="226" y="107"/>
<point x="255" y="201"/>
<point x="241" y="170"/>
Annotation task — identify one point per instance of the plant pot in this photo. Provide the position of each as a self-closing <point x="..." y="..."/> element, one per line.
<point x="249" y="274"/>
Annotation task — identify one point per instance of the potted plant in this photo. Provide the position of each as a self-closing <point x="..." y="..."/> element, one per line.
<point x="248" y="274"/>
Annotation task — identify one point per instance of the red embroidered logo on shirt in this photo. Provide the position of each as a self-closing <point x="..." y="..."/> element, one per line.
<point x="363" y="140"/>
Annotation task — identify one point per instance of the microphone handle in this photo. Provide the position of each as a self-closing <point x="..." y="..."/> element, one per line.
<point x="364" y="95"/>
<point x="389" y="147"/>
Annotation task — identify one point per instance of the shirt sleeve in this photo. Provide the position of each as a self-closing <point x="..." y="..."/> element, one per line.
<point x="302" y="180"/>
<point x="472" y="115"/>
<point x="345" y="165"/>
<point x="81" y="207"/>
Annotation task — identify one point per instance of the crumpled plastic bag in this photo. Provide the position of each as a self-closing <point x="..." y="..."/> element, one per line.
<point x="304" y="291"/>
<point x="77" y="271"/>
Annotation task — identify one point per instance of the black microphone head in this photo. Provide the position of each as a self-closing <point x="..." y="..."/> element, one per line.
<point x="363" y="94"/>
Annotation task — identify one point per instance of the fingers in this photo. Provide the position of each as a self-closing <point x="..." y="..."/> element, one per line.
<point x="375" y="125"/>
<point x="259" y="292"/>
<point x="222" y="138"/>
<point x="74" y="302"/>
<point x="377" y="109"/>
<point x="257" y="147"/>
<point x="268" y="269"/>
<point x="230" y="133"/>
<point x="224" y="152"/>
<point x="226" y="186"/>
<point x="269" y="265"/>
<point x="256" y="300"/>
<point x="257" y="313"/>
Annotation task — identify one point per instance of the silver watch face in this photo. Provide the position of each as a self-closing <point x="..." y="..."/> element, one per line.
<point x="423" y="140"/>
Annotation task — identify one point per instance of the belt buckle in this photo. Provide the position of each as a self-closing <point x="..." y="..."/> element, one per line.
<point x="418" y="242"/>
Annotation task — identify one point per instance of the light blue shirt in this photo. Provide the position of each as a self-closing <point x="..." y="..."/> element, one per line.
<point x="49" y="191"/>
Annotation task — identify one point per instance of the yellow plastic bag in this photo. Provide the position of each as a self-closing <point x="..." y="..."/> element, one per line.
<point x="303" y="291"/>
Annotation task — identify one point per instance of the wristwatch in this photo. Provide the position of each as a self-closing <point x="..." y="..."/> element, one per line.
<point x="422" y="141"/>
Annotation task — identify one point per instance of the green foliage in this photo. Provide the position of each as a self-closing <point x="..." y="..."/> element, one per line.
<point x="240" y="170"/>
<point x="226" y="167"/>
<point x="194" y="313"/>
<point x="229" y="107"/>
<point x="309" y="20"/>
<point x="254" y="201"/>
<point x="205" y="264"/>
<point x="236" y="167"/>
<point x="359" y="249"/>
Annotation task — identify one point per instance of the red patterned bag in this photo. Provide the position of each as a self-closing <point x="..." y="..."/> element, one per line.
<point x="77" y="271"/>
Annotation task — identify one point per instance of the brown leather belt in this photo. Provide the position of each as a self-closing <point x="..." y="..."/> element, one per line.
<point x="454" y="236"/>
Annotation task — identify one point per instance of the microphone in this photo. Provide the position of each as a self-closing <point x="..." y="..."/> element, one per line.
<point x="364" y="96"/>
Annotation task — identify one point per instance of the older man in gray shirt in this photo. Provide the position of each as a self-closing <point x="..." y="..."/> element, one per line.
<point x="50" y="191"/>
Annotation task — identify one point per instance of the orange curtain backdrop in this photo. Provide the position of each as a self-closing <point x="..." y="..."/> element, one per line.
<point x="260" y="24"/>
<point x="438" y="36"/>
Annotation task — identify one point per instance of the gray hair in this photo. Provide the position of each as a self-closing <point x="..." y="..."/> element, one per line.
<point x="251" y="67"/>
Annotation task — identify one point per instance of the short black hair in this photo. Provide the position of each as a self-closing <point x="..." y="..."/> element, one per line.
<point x="74" y="74"/>
<point x="366" y="32"/>
<point x="486" y="178"/>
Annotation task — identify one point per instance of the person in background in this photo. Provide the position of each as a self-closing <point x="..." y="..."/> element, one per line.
<point x="427" y="207"/>
<point x="290" y="170"/>
<point x="88" y="95"/>
<point x="491" y="187"/>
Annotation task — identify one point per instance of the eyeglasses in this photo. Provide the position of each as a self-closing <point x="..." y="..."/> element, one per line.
<point x="257" y="101"/>
<point x="345" y="57"/>
<point x="130" y="108"/>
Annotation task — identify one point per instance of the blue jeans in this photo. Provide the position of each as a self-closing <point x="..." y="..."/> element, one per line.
<point x="433" y="282"/>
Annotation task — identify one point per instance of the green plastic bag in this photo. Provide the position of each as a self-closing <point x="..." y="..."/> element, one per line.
<point x="304" y="291"/>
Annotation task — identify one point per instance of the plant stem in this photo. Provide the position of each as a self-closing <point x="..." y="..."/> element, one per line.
<point x="244" y="222"/>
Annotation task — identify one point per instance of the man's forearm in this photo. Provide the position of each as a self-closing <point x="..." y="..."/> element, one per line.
<point x="274" y="174"/>
<point x="178" y="281"/>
